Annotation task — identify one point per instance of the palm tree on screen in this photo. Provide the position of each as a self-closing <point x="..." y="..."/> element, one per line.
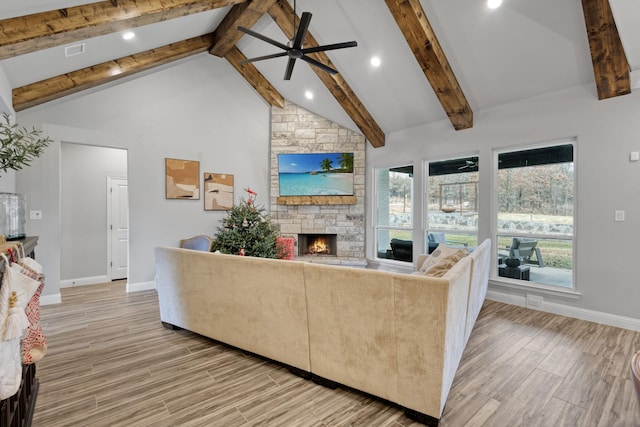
<point x="346" y="162"/>
<point x="326" y="164"/>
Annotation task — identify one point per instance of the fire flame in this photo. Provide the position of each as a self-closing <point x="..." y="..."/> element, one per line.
<point x="319" y="246"/>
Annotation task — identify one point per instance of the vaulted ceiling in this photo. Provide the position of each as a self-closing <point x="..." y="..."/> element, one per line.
<point x="440" y="59"/>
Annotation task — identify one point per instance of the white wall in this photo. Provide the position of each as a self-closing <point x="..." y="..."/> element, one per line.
<point x="197" y="109"/>
<point x="84" y="171"/>
<point x="607" y="131"/>
<point x="7" y="179"/>
<point x="8" y="182"/>
<point x="6" y="94"/>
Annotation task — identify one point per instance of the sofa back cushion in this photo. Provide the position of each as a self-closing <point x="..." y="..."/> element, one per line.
<point x="351" y="327"/>
<point x="256" y="304"/>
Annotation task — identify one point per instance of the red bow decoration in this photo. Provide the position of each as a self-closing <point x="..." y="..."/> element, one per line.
<point x="252" y="195"/>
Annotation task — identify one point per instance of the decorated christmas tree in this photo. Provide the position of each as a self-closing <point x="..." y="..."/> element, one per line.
<point x="247" y="230"/>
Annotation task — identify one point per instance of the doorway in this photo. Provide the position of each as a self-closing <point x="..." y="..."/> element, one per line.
<point x="86" y="249"/>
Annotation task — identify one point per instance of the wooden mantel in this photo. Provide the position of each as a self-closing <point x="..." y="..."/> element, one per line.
<point x="316" y="200"/>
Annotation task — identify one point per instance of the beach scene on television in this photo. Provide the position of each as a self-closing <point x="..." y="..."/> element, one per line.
<point x="316" y="174"/>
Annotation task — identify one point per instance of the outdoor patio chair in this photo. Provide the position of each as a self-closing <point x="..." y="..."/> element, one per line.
<point x="524" y="249"/>
<point x="402" y="249"/>
<point x="434" y="239"/>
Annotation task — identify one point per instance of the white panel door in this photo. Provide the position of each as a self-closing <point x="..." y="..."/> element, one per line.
<point x="119" y="229"/>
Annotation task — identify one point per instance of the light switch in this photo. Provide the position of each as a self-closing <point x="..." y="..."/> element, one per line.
<point x="634" y="156"/>
<point x="619" y="215"/>
<point x="35" y="214"/>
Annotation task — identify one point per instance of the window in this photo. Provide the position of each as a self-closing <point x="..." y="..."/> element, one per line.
<point x="452" y="203"/>
<point x="394" y="213"/>
<point x="535" y="215"/>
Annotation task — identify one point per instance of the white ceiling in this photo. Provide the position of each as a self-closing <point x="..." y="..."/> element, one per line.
<point x="522" y="49"/>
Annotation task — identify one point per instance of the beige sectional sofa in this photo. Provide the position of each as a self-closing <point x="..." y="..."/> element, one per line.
<point x="393" y="335"/>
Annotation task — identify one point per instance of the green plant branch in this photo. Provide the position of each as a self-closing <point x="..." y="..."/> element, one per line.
<point x="19" y="146"/>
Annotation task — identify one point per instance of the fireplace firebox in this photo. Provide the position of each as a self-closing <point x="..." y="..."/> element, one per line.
<point x="318" y="244"/>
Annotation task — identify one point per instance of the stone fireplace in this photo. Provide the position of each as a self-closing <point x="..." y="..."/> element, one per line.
<point x="317" y="244"/>
<point x="296" y="130"/>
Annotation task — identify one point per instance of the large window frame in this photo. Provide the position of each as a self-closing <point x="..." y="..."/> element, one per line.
<point x="560" y="154"/>
<point x="451" y="201"/>
<point x="389" y="225"/>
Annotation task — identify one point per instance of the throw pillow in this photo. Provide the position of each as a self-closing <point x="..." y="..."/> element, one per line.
<point x="441" y="252"/>
<point x="441" y="268"/>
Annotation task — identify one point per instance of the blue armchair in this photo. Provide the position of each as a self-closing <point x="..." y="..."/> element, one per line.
<point x="197" y="243"/>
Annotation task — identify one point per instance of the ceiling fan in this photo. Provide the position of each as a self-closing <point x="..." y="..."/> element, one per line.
<point x="294" y="49"/>
<point x="469" y="164"/>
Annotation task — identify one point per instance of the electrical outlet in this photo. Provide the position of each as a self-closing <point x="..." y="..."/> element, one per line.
<point x="534" y="302"/>
<point x="35" y="215"/>
<point x="619" y="216"/>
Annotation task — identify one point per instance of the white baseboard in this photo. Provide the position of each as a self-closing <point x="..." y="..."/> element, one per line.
<point x="51" y="299"/>
<point x="57" y="298"/>
<point x="141" y="286"/>
<point x="82" y="281"/>
<point x="569" y="311"/>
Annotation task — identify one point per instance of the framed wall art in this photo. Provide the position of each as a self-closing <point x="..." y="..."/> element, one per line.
<point x="182" y="179"/>
<point x="218" y="191"/>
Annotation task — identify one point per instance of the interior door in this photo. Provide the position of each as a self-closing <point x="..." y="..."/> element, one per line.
<point x="118" y="228"/>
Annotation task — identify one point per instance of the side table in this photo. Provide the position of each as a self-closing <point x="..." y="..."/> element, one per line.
<point x="520" y="272"/>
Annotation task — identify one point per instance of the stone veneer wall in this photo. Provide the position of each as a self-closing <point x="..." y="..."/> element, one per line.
<point x="296" y="130"/>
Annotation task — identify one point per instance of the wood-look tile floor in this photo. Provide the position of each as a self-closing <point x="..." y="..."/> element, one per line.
<point x="111" y="363"/>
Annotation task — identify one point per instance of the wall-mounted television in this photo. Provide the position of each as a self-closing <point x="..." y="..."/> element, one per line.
<point x="315" y="174"/>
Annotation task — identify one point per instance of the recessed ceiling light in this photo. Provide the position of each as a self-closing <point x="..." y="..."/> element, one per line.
<point x="128" y="35"/>
<point x="494" y="4"/>
<point x="308" y="94"/>
<point x="375" y="61"/>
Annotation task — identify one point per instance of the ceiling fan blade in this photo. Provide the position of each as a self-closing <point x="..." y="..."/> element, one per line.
<point x="319" y="64"/>
<point x="260" y="58"/>
<point x="290" y="64"/>
<point x="263" y="38"/>
<point x="302" y="30"/>
<point x="328" y="47"/>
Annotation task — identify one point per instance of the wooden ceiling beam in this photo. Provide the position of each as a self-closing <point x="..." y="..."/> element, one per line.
<point x="244" y="15"/>
<point x="56" y="87"/>
<point x="422" y="40"/>
<point x="282" y="13"/>
<point x="610" y="65"/>
<point x="255" y="78"/>
<point x="44" y="30"/>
